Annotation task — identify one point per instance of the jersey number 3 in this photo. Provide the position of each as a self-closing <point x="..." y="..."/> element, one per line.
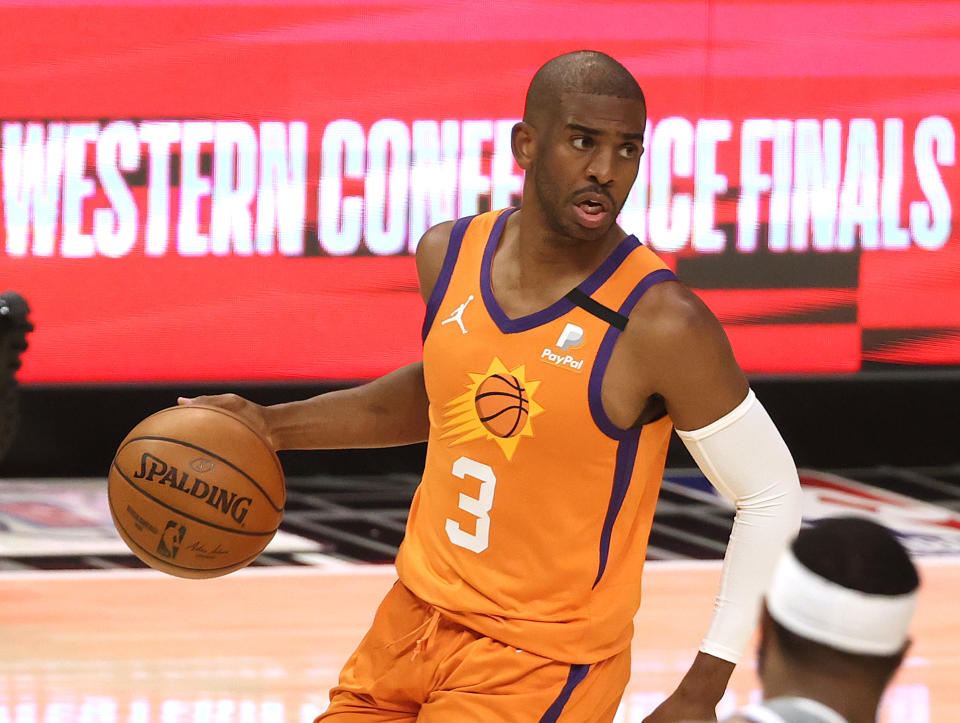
<point x="478" y="506"/>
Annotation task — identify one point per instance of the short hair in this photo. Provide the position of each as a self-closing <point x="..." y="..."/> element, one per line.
<point x="858" y="554"/>
<point x="582" y="71"/>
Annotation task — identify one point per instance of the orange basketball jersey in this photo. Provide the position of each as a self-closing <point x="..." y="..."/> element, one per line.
<point x="531" y="522"/>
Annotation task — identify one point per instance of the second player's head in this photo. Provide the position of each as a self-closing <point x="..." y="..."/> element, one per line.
<point x="840" y="604"/>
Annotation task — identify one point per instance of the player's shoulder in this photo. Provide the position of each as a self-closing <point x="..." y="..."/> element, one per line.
<point x="670" y="330"/>
<point x="670" y="310"/>
<point x="435" y="239"/>
<point x="431" y="251"/>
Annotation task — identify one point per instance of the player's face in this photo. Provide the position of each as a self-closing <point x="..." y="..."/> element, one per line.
<point x="586" y="163"/>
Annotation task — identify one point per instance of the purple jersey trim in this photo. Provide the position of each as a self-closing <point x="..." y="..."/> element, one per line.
<point x="629" y="438"/>
<point x="626" y="458"/>
<point x="558" y="308"/>
<point x="446" y="272"/>
<point x="574" y="678"/>
<point x="606" y="349"/>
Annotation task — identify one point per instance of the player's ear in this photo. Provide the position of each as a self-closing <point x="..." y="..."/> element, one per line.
<point x="896" y="662"/>
<point x="903" y="652"/>
<point x="523" y="142"/>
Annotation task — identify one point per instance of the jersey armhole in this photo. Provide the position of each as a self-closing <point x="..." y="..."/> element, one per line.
<point x="605" y="351"/>
<point x="446" y="273"/>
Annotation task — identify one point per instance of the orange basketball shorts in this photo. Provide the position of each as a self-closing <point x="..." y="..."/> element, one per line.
<point x="416" y="665"/>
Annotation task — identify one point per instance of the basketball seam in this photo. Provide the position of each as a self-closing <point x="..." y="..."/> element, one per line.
<point x="207" y="452"/>
<point x="276" y="460"/>
<point x="515" y="383"/>
<point x="504" y="410"/>
<point x="189" y="516"/>
<point x="241" y="420"/>
<point x="484" y="395"/>
<point x="229" y="568"/>
<point x="521" y="413"/>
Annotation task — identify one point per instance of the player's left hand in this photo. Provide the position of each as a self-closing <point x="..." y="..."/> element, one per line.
<point x="696" y="698"/>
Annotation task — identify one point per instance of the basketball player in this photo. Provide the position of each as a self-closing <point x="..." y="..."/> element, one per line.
<point x="547" y="404"/>
<point x="834" y="627"/>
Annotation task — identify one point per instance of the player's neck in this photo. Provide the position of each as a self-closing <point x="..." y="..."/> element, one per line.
<point x="541" y="252"/>
<point x="852" y="697"/>
<point x="531" y="271"/>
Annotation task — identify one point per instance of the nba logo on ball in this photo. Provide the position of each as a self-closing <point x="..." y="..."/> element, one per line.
<point x="169" y="544"/>
<point x="195" y="491"/>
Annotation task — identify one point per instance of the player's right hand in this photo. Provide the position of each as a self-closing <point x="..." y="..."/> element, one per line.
<point x="250" y="411"/>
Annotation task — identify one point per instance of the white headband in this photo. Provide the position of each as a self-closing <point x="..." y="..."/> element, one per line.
<point x="828" y="613"/>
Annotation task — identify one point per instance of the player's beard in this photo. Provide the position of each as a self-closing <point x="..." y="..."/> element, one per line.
<point x="555" y="207"/>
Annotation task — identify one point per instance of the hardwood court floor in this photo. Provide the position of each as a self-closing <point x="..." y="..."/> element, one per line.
<point x="264" y="645"/>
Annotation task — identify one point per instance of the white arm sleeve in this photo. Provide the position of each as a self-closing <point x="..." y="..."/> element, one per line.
<point x="746" y="459"/>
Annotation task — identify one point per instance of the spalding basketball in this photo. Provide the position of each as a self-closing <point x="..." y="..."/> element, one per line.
<point x="195" y="491"/>
<point x="502" y="405"/>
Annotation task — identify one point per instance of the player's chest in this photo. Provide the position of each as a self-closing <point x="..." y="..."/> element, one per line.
<point x="478" y="373"/>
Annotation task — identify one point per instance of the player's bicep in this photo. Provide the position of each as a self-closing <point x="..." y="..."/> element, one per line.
<point x="693" y="364"/>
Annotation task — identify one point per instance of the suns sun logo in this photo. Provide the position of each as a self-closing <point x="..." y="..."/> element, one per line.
<point x="498" y="405"/>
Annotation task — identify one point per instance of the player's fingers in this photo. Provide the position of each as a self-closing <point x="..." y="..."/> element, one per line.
<point x="253" y="413"/>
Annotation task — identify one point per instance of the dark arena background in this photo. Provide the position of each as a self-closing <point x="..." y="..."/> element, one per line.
<point x="227" y="196"/>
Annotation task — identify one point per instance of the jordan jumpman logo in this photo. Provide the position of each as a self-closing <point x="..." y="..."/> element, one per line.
<point x="457" y="315"/>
